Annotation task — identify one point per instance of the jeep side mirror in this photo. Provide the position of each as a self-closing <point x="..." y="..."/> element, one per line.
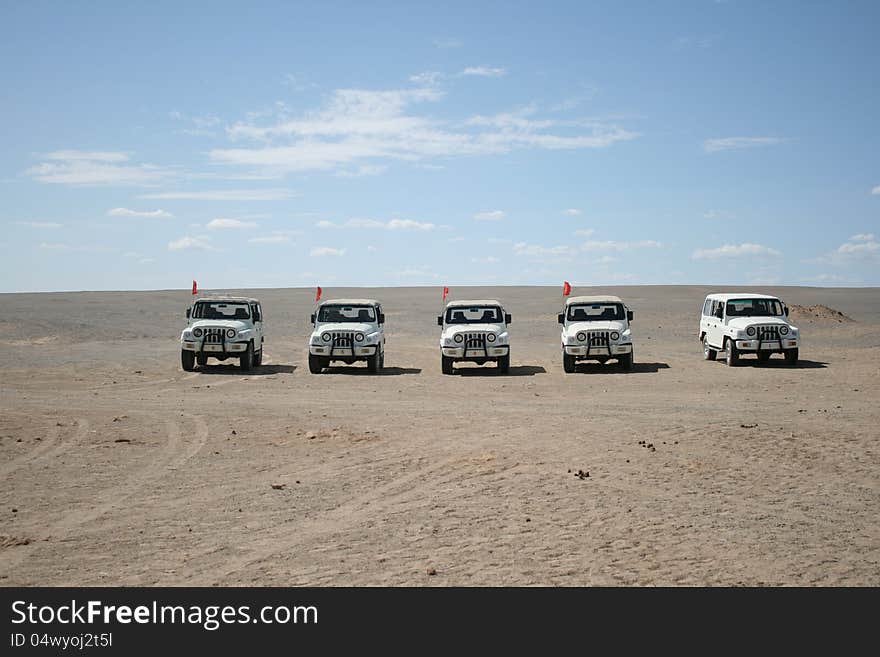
<point x="312" y="318"/>
<point x="786" y="311"/>
<point x="188" y="312"/>
<point x="439" y="320"/>
<point x="507" y="318"/>
<point x="629" y="315"/>
<point x="560" y="318"/>
<point x="381" y="318"/>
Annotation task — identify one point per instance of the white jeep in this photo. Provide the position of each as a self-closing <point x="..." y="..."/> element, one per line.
<point x="596" y="328"/>
<point x="474" y="331"/>
<point x="347" y="330"/>
<point x="747" y="323"/>
<point x="223" y="327"/>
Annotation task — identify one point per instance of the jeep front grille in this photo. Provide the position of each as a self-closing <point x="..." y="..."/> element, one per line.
<point x="342" y="339"/>
<point x="598" y="338"/>
<point x="767" y="333"/>
<point x="475" y="341"/>
<point x="214" y="335"/>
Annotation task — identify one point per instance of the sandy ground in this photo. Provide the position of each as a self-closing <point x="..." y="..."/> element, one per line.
<point x="118" y="468"/>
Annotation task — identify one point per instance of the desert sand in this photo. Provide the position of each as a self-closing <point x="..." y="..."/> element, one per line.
<point x="118" y="468"/>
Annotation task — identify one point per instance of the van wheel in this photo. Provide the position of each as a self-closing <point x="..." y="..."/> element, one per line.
<point x="187" y="360"/>
<point x="504" y="364"/>
<point x="202" y="359"/>
<point x="626" y="361"/>
<point x="708" y="352"/>
<point x="316" y="364"/>
<point x="446" y="365"/>
<point x="568" y="364"/>
<point x="791" y="356"/>
<point x="246" y="360"/>
<point x="732" y="354"/>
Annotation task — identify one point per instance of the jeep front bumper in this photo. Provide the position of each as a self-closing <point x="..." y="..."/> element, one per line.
<point x="212" y="348"/>
<point x="767" y="345"/>
<point x="595" y="351"/>
<point x="342" y="352"/>
<point x="488" y="352"/>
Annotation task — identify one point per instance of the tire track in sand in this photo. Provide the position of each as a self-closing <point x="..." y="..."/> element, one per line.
<point x="51" y="445"/>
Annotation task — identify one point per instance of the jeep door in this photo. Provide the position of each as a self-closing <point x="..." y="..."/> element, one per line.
<point x="715" y="324"/>
<point x="257" y="315"/>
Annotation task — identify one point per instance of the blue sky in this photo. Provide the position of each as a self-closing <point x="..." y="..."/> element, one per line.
<point x="294" y="144"/>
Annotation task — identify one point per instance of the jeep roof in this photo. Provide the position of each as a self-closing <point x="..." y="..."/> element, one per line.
<point x="473" y="302"/>
<point x="350" y="302"/>
<point x="597" y="299"/>
<point x="739" y="295"/>
<point x="221" y="299"/>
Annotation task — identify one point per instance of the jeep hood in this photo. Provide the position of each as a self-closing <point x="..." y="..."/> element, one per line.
<point x="607" y="325"/>
<point x="455" y="329"/>
<point x="742" y="323"/>
<point x="345" y="327"/>
<point x="219" y="323"/>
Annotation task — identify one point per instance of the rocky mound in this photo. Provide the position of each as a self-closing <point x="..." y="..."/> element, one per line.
<point x="817" y="312"/>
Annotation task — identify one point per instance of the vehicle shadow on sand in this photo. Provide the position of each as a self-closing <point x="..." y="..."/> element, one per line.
<point x="515" y="370"/>
<point x="779" y="363"/>
<point x="262" y="370"/>
<point x="614" y="368"/>
<point x="363" y="371"/>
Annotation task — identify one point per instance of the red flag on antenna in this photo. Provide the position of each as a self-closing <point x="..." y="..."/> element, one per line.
<point x="318" y="294"/>
<point x="445" y="293"/>
<point x="195" y="288"/>
<point x="566" y="288"/>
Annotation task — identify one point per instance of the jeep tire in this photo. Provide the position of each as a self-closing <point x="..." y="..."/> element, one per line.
<point x="316" y="364"/>
<point x="504" y="364"/>
<point x="258" y="358"/>
<point x="446" y="365"/>
<point x="708" y="352"/>
<point x="732" y="354"/>
<point x="374" y="362"/>
<point x="568" y="363"/>
<point x="246" y="360"/>
<point x="626" y="361"/>
<point x="791" y="356"/>
<point x="187" y="360"/>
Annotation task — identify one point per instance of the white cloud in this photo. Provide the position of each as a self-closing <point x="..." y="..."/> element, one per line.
<point x="736" y="143"/>
<point x="488" y="260"/>
<point x="484" y="71"/>
<point x="572" y="212"/>
<point x="393" y="224"/>
<point x="536" y="251"/>
<point x="491" y="215"/>
<point x="869" y="247"/>
<point x="150" y="214"/>
<point x="357" y="127"/>
<point x="876" y="190"/>
<point x="227" y="195"/>
<point x="426" y="78"/>
<point x="863" y="237"/>
<point x="40" y="224"/>
<point x="270" y="239"/>
<point x="735" y="251"/>
<point x="216" y="224"/>
<point x="96" y="168"/>
<point x="611" y="245"/>
<point x="188" y="242"/>
<point x="584" y="232"/>
<point x="201" y="125"/>
<point x="320" y="251"/>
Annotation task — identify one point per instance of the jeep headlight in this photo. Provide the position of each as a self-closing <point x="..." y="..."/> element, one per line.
<point x="230" y="333"/>
<point x="783" y="330"/>
<point x="197" y="332"/>
<point x="581" y="336"/>
<point x="491" y="337"/>
<point x="615" y="336"/>
<point x="750" y="330"/>
<point x="359" y="337"/>
<point x="458" y="338"/>
<point x="325" y="337"/>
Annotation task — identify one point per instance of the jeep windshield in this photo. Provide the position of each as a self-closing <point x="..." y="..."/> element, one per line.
<point x="474" y="315"/>
<point x="220" y="310"/>
<point x="364" y="314"/>
<point x="754" y="308"/>
<point x="595" y="312"/>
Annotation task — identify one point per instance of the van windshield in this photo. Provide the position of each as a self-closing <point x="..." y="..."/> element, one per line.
<point x="595" y="312"/>
<point x="474" y="315"/>
<point x="334" y="313"/>
<point x="220" y="310"/>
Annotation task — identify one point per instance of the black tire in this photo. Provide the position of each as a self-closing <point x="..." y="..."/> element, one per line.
<point x="763" y="356"/>
<point x="374" y="363"/>
<point x="732" y="354"/>
<point x="504" y="364"/>
<point x="316" y="364"/>
<point x="708" y="352"/>
<point x="568" y="363"/>
<point x="791" y="356"/>
<point x="202" y="359"/>
<point x="258" y="358"/>
<point x="446" y="365"/>
<point x="187" y="360"/>
<point x="246" y="360"/>
<point x="626" y="361"/>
